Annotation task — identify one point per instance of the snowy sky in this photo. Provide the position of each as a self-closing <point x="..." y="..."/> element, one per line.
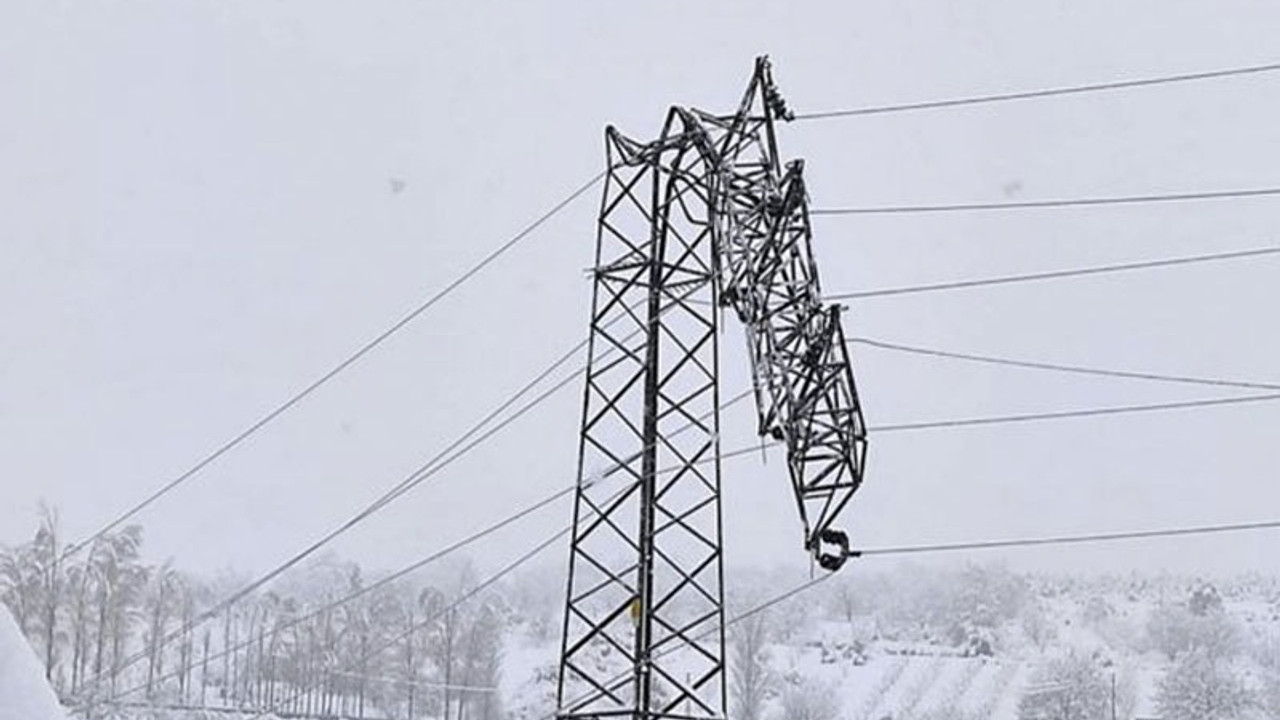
<point x="206" y="205"/>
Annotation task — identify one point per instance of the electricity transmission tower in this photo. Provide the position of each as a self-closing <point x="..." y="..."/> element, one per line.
<point x="704" y="217"/>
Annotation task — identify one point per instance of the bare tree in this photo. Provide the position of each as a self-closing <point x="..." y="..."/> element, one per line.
<point x="412" y="659"/>
<point x="446" y="637"/>
<point x="160" y="603"/>
<point x="850" y="599"/>
<point x="46" y="552"/>
<point x="122" y="588"/>
<point x="79" y="582"/>
<point x="185" y="604"/>
<point x="750" y="679"/>
<point x="480" y="664"/>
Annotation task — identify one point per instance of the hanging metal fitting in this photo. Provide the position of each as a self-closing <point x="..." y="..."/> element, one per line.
<point x="834" y="560"/>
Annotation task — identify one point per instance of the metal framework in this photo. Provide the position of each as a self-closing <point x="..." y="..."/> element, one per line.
<point x="704" y="217"/>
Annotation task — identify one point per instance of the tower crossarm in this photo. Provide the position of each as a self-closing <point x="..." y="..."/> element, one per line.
<point x="804" y="386"/>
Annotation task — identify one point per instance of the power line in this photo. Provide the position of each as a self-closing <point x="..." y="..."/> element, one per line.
<point x="436" y="464"/>
<point x="1057" y="367"/>
<point x="1074" y="539"/>
<point x="1057" y="274"/>
<point x="442" y="553"/>
<point x="982" y="545"/>
<point x="891" y="550"/>
<point x="1043" y="93"/>
<point x="1081" y="413"/>
<point x="1037" y="417"/>
<point x="611" y="684"/>
<point x="777" y="599"/>
<point x="1041" y="541"/>
<point x="880" y="551"/>
<point x="442" y="462"/>
<point x="418" y="683"/>
<point x="784" y="596"/>
<point x="471" y="539"/>
<point x="476" y="590"/>
<point x="507" y="570"/>
<point x="326" y="377"/>
<point x="393" y="577"/>
<point x="1053" y="203"/>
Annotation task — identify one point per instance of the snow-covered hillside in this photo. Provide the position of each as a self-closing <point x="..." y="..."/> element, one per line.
<point x="991" y="645"/>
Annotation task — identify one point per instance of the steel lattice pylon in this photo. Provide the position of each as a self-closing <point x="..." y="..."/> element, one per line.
<point x="701" y="218"/>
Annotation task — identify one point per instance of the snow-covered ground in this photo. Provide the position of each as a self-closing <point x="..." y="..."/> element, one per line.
<point x="24" y="694"/>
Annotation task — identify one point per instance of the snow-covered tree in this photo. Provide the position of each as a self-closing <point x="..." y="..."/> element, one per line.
<point x="480" y="664"/>
<point x="809" y="700"/>
<point x="750" y="679"/>
<point x="986" y="596"/>
<point x="19" y="585"/>
<point x="1071" y="687"/>
<point x="162" y="599"/>
<point x="1201" y="686"/>
<point x="1270" y="695"/>
<point x="46" y="553"/>
<point x="122" y="581"/>
<point x="1174" y="629"/>
<point x="463" y="642"/>
<point x="1037" y="625"/>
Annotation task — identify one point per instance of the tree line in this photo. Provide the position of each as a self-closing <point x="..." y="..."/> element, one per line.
<point x="110" y="628"/>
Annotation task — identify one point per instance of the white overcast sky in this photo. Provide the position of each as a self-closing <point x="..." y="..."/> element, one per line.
<point x="201" y="211"/>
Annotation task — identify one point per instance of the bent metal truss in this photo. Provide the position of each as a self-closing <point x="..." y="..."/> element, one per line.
<point x="705" y="217"/>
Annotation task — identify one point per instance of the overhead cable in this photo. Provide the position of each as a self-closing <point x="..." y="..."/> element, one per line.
<point x="473" y="592"/>
<point x="1081" y="413"/>
<point x="462" y="445"/>
<point x="1073" y="539"/>
<point x="444" y="461"/>
<point x="380" y="583"/>
<point x="1058" y="367"/>
<point x="419" y="625"/>
<point x="614" y="682"/>
<point x="983" y="545"/>
<point x="1051" y="203"/>
<point x="1038" y="417"/>
<point x="1042" y="93"/>
<point x="986" y="545"/>
<point x="1056" y="274"/>
<point x="330" y="374"/>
